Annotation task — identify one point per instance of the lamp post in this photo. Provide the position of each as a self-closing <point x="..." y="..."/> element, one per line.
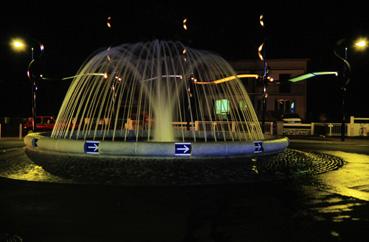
<point x="360" y="44"/>
<point x="19" y="45"/>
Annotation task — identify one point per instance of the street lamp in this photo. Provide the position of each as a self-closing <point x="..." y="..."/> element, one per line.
<point x="19" y="45"/>
<point x="360" y="44"/>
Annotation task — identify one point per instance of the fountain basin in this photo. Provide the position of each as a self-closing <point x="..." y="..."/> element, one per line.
<point x="154" y="163"/>
<point x="150" y="110"/>
<point x="41" y="142"/>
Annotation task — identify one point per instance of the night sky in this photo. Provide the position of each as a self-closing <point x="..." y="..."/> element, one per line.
<point x="71" y="32"/>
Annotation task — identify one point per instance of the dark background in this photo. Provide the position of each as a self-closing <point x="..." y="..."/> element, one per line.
<point x="72" y="31"/>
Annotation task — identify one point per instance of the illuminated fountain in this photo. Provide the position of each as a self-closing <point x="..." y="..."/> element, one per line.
<point x="152" y="91"/>
<point x="154" y="100"/>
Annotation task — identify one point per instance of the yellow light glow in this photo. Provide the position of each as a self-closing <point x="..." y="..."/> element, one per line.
<point x="259" y="52"/>
<point x="108" y="22"/>
<point x="361" y="44"/>
<point x="256" y="76"/>
<point x="229" y="78"/>
<point x="350" y="180"/>
<point x="105" y="75"/>
<point x="185" y="23"/>
<point x="18" y="45"/>
<point x="261" y="20"/>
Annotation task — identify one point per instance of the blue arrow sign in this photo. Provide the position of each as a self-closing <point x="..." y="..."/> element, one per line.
<point x="92" y="147"/>
<point x="258" y="147"/>
<point x="182" y="149"/>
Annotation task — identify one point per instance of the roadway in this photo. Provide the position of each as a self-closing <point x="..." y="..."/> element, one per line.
<point x="352" y="145"/>
<point x="332" y="206"/>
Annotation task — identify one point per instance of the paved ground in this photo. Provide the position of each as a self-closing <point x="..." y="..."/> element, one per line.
<point x="332" y="206"/>
<point x="6" y="143"/>
<point x="327" y="139"/>
<point x="354" y="145"/>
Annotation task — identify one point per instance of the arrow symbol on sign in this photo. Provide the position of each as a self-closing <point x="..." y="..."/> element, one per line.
<point x="185" y="149"/>
<point x="95" y="147"/>
<point x="258" y="147"/>
<point x="92" y="147"/>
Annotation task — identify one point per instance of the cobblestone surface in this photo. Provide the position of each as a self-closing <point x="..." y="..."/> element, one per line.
<point x="138" y="171"/>
<point x="295" y="162"/>
<point x="132" y="170"/>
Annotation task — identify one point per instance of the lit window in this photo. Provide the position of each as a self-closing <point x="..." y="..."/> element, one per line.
<point x="222" y="106"/>
<point x="293" y="107"/>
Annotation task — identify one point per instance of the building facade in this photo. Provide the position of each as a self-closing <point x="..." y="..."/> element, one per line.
<point x="283" y="96"/>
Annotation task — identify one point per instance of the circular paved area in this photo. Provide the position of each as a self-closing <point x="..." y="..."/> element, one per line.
<point x="295" y="162"/>
<point x="134" y="171"/>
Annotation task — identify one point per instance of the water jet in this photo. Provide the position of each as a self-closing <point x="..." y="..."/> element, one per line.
<point x="153" y="101"/>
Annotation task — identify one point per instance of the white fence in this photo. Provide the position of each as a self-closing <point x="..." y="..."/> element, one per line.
<point x="314" y="129"/>
<point x="356" y="127"/>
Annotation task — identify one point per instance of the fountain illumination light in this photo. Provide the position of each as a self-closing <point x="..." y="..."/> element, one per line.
<point x="156" y="91"/>
<point x="143" y="112"/>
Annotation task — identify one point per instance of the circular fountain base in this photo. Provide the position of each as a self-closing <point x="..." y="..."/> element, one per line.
<point x="139" y="171"/>
<point x="69" y="168"/>
<point x="144" y="170"/>
<point x="150" y="162"/>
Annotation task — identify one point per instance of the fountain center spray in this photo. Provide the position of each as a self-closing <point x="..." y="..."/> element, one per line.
<point x="140" y="113"/>
<point x="158" y="91"/>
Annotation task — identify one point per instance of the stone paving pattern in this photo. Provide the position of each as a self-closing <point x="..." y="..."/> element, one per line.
<point x="155" y="171"/>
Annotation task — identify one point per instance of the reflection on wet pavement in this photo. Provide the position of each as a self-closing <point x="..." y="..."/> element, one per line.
<point x="340" y="198"/>
<point x="15" y="164"/>
<point x="352" y="179"/>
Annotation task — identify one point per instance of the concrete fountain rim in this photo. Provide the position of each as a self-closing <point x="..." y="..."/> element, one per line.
<point x="42" y="142"/>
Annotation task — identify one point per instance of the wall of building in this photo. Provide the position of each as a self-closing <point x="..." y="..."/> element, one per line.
<point x="280" y="90"/>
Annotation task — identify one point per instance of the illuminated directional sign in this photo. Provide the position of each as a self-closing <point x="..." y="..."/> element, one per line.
<point x="92" y="147"/>
<point x="258" y="147"/>
<point x="182" y="149"/>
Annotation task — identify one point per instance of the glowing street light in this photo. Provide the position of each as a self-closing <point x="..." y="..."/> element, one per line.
<point x="361" y="44"/>
<point x="20" y="45"/>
